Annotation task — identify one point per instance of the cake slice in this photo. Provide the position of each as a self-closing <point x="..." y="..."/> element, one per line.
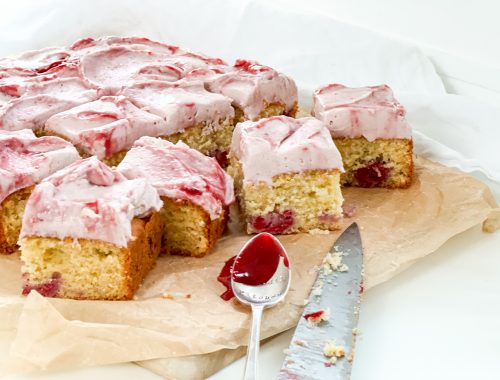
<point x="201" y="119"/>
<point x="370" y="130"/>
<point x="89" y="233"/>
<point x="287" y="174"/>
<point x="196" y="192"/>
<point x="105" y="128"/>
<point x="24" y="161"/>
<point x="257" y="91"/>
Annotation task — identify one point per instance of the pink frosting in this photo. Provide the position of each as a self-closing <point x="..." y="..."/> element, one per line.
<point x="88" y="200"/>
<point x="39" y="101"/>
<point x="86" y="45"/>
<point x="179" y="172"/>
<point x="33" y="62"/>
<point x="370" y="112"/>
<point x="43" y="83"/>
<point x="250" y="85"/>
<point x="181" y="104"/>
<point x="105" y="126"/>
<point x="282" y="144"/>
<point x="26" y="159"/>
<point x="119" y="66"/>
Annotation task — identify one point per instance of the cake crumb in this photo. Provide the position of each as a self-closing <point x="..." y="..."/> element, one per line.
<point x="306" y="301"/>
<point x="315" y="318"/>
<point x="348" y="211"/>
<point x="343" y="268"/>
<point x="167" y="296"/>
<point x="188" y="296"/>
<point x="301" y="343"/>
<point x="318" y="231"/>
<point x="355" y="331"/>
<point x="350" y="358"/>
<point x="333" y="263"/>
<point x="317" y="290"/>
<point x="332" y="350"/>
<point x="287" y="351"/>
<point x="492" y="224"/>
<point x="331" y="361"/>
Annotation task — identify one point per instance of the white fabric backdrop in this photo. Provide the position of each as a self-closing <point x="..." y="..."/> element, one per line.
<point x="313" y="50"/>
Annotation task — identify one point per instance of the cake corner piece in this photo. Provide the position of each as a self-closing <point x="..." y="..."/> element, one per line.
<point x="27" y="160"/>
<point x="370" y="130"/>
<point x="97" y="243"/>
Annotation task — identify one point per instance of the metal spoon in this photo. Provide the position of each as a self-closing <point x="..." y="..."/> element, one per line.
<point x="259" y="297"/>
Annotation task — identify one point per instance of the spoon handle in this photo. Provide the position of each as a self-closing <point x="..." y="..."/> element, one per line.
<point x="251" y="365"/>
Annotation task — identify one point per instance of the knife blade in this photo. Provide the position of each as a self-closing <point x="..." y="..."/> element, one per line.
<point x="339" y="292"/>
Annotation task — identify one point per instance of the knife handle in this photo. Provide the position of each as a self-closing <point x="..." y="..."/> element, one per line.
<point x="251" y="365"/>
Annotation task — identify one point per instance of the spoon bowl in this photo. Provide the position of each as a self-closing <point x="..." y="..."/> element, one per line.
<point x="260" y="277"/>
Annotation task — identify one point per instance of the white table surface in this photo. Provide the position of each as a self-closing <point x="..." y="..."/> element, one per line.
<point x="440" y="319"/>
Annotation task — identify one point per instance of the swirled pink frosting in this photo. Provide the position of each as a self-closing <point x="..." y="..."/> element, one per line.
<point x="281" y="144"/>
<point x="251" y="85"/>
<point x="370" y="112"/>
<point x="181" y="86"/>
<point x="88" y="200"/>
<point x="25" y="159"/>
<point x="179" y="172"/>
<point x="181" y="104"/>
<point x="105" y="126"/>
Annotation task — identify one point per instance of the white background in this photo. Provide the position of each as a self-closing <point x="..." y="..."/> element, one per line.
<point x="441" y="318"/>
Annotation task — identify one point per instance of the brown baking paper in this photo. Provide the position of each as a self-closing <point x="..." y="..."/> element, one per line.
<point x="178" y="317"/>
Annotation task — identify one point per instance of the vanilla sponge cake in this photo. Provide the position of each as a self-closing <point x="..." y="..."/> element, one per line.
<point x="201" y="119"/>
<point x="105" y="128"/>
<point x="196" y="192"/>
<point x="370" y="130"/>
<point x="24" y="161"/>
<point x="89" y="233"/>
<point x="287" y="175"/>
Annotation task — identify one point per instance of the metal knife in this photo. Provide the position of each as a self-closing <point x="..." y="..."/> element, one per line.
<point x="341" y="295"/>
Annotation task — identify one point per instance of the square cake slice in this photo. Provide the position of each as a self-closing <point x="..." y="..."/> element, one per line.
<point x="106" y="128"/>
<point x="201" y="119"/>
<point x="287" y="174"/>
<point x="370" y="130"/>
<point x="24" y="161"/>
<point x="90" y="233"/>
<point x="196" y="192"/>
<point x="257" y="91"/>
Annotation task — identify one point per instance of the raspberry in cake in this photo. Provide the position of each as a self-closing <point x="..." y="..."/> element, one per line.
<point x="24" y="161"/>
<point x="89" y="233"/>
<point x="196" y="192"/>
<point x="370" y="130"/>
<point x="287" y="175"/>
<point x="257" y="91"/>
<point x="105" y="128"/>
<point x="201" y="119"/>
